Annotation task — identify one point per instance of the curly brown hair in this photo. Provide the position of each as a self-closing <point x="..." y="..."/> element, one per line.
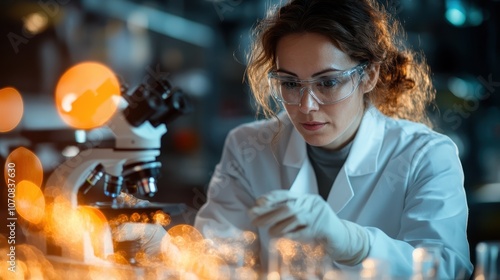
<point x="365" y="31"/>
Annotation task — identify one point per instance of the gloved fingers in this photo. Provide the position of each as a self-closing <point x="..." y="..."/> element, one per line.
<point x="269" y="209"/>
<point x="286" y="226"/>
<point x="275" y="197"/>
<point x="170" y="252"/>
<point x="299" y="236"/>
<point x="263" y="216"/>
<point x="267" y="206"/>
<point x="153" y="233"/>
<point x="129" y="232"/>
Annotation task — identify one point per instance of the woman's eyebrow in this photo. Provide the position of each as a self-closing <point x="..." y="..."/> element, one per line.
<point x="313" y="75"/>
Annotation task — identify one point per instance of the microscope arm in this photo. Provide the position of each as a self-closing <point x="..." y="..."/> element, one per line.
<point x="132" y="145"/>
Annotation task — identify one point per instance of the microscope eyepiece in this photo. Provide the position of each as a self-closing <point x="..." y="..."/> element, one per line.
<point x="176" y="104"/>
<point x="157" y="103"/>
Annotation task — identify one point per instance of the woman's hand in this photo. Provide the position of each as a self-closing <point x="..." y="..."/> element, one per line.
<point x="149" y="236"/>
<point x="308" y="217"/>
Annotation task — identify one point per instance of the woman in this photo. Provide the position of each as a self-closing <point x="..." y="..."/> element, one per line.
<point x="352" y="160"/>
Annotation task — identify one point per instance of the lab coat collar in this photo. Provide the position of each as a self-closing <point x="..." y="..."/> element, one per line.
<point x="296" y="150"/>
<point x="366" y="146"/>
<point x="364" y="152"/>
<point x="362" y="159"/>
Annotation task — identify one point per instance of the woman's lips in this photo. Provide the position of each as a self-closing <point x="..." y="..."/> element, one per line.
<point x="312" y="126"/>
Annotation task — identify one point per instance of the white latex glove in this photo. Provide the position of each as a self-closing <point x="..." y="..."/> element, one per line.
<point x="148" y="235"/>
<point x="308" y="217"/>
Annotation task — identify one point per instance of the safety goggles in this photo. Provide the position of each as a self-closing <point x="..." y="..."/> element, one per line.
<point x="328" y="89"/>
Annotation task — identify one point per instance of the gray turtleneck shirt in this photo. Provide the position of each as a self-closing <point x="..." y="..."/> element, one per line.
<point x="327" y="165"/>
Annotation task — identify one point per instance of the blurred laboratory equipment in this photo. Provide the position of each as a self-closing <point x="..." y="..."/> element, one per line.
<point x="129" y="167"/>
<point x="487" y="261"/>
<point x="290" y="259"/>
<point x="426" y="261"/>
<point x="293" y="260"/>
<point x="375" y="269"/>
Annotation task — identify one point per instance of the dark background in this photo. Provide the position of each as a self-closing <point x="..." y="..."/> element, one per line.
<point x="206" y="58"/>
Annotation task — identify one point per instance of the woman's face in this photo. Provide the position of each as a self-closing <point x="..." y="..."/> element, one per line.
<point x="307" y="56"/>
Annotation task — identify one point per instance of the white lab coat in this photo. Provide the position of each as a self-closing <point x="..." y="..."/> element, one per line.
<point x="401" y="180"/>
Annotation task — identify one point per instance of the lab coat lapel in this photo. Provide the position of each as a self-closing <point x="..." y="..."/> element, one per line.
<point x="341" y="192"/>
<point x="305" y="181"/>
<point x="362" y="158"/>
<point x="296" y="158"/>
<point x="367" y="144"/>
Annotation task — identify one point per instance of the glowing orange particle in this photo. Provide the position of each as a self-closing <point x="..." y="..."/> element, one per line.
<point x="23" y="164"/>
<point x="30" y="202"/>
<point x="11" y="108"/>
<point x="85" y="95"/>
<point x="210" y="267"/>
<point x="96" y="224"/>
<point x="185" y="236"/>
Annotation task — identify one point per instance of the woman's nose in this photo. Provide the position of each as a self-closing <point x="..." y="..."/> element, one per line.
<point x="307" y="101"/>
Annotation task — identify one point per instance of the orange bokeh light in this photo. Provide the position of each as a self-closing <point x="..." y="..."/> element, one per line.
<point x="11" y="109"/>
<point x="73" y="227"/>
<point x="30" y="202"/>
<point x="209" y="267"/>
<point x="186" y="237"/>
<point x="66" y="222"/>
<point x="85" y="95"/>
<point x="63" y="222"/>
<point x="23" y="164"/>
<point x="96" y="224"/>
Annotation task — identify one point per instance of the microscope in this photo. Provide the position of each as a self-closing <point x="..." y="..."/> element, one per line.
<point x="130" y="166"/>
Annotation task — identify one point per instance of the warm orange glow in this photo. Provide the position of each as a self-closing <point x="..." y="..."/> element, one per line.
<point x="185" y="250"/>
<point x="162" y="218"/>
<point x="94" y="219"/>
<point x="30" y="263"/>
<point x="171" y="253"/>
<point x="37" y="265"/>
<point x="295" y="259"/>
<point x="117" y="258"/>
<point x="35" y="23"/>
<point x="246" y="273"/>
<point x="85" y="95"/>
<point x="21" y="272"/>
<point x="77" y="229"/>
<point x="287" y="248"/>
<point x="185" y="236"/>
<point x="273" y="276"/>
<point x="96" y="224"/>
<point x="209" y="267"/>
<point x="30" y="202"/>
<point x="235" y="250"/>
<point x="107" y="273"/>
<point x="23" y="164"/>
<point x="11" y="109"/>
<point x="63" y="222"/>
<point x="186" y="254"/>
